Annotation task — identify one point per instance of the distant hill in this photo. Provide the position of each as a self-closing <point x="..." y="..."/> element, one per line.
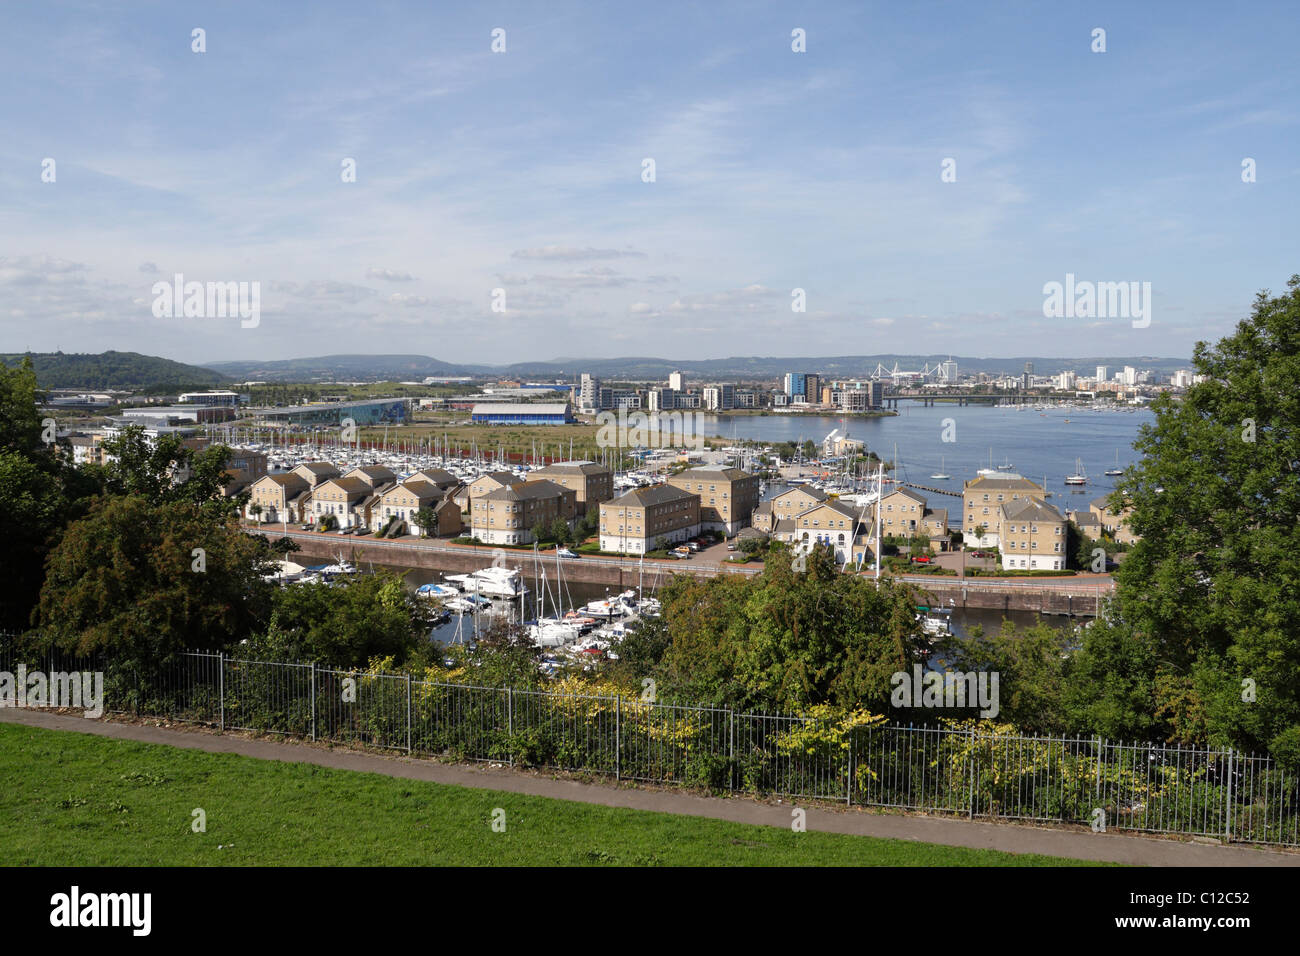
<point x="338" y="368"/>
<point x="407" y="367"/>
<point x="116" y="370"/>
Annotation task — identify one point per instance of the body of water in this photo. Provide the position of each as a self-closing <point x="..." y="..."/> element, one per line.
<point x="1039" y="444"/>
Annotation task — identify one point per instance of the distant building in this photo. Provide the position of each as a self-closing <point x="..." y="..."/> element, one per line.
<point x="677" y="381"/>
<point x="1103" y="373"/>
<point x="504" y="413"/>
<point x="209" y="398"/>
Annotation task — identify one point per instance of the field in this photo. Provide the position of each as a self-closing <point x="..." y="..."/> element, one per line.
<point x="79" y="800"/>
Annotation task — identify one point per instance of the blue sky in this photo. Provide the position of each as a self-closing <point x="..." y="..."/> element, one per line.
<point x="522" y="171"/>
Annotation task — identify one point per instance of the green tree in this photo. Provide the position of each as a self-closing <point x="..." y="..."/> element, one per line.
<point x="142" y="580"/>
<point x="1212" y="586"/>
<point x="427" y="518"/>
<point x="165" y="469"/>
<point x="344" y="626"/>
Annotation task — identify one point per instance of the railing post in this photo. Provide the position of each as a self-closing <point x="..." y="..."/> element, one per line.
<point x="313" y="700"/>
<point x="510" y="727"/>
<point x="618" y="737"/>
<point x="970" y="796"/>
<point x="848" y="783"/>
<point x="221" y="686"/>
<point x="1096" y="792"/>
<point x="1227" y="822"/>
<point x="408" y="713"/>
<point x="731" y="745"/>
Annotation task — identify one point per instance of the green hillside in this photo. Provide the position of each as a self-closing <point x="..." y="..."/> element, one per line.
<point x="117" y="370"/>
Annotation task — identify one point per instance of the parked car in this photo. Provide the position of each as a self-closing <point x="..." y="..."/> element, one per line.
<point x="922" y="559"/>
<point x="693" y="545"/>
<point x="363" y="531"/>
<point x="306" y="527"/>
<point x="565" y="553"/>
<point x="731" y="547"/>
<point x="347" y="530"/>
<point x="680" y="552"/>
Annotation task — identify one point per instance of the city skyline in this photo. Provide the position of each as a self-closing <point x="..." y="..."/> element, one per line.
<point x="524" y="171"/>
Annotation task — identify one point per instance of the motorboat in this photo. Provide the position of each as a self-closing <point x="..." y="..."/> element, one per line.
<point x="492" y="581"/>
<point x="443" y="591"/>
<point x="1079" y="477"/>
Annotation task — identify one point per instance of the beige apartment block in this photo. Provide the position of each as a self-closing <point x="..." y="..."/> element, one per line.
<point x="343" y="498"/>
<point x="376" y="476"/>
<point x="728" y="496"/>
<point x="593" y="483"/>
<point x="404" y="502"/>
<point x="281" y="497"/>
<point x="314" y="472"/>
<point x="507" y="515"/>
<point x="633" y="522"/>
<point x="831" y="524"/>
<point x="1112" y="522"/>
<point x="983" y="499"/>
<point x="785" y="506"/>
<point x="1032" y="536"/>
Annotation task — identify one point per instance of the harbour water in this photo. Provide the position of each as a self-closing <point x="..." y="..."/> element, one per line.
<point x="1038" y="443"/>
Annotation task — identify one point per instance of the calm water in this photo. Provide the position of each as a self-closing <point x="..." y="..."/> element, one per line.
<point x="1041" y="445"/>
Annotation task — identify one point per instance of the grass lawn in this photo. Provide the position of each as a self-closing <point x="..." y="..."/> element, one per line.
<point x="80" y="800"/>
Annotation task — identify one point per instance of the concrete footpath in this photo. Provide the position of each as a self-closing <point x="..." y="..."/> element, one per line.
<point x="1007" y="837"/>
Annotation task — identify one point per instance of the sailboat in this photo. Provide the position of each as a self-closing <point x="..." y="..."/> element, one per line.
<point x="1006" y="467"/>
<point x="942" y="475"/>
<point x="1079" y="477"/>
<point x="1117" y="470"/>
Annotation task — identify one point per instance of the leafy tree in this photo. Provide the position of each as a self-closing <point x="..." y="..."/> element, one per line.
<point x="560" y="531"/>
<point x="1213" y="587"/>
<point x="786" y="639"/>
<point x="127" y="579"/>
<point x="165" y="469"/>
<point x="427" y="519"/>
<point x="344" y="626"/>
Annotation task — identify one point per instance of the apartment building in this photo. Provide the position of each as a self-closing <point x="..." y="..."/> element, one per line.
<point x="593" y="483"/>
<point x="785" y="506"/>
<point x="982" y="499"/>
<point x="315" y="472"/>
<point x="491" y="482"/>
<point x="508" y="514"/>
<point x="377" y="477"/>
<point x="1112" y="522"/>
<point x="1032" y="536"/>
<point x="282" y="497"/>
<point x="404" y="502"/>
<point x="830" y="523"/>
<point x="344" y="498"/>
<point x="439" y="477"/>
<point x="633" y="522"/>
<point x="728" y="496"/>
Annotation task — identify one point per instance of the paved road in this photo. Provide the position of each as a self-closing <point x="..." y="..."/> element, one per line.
<point x="1010" y="838"/>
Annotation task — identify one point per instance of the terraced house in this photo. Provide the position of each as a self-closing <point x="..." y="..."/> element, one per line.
<point x="632" y="523"/>
<point x="832" y="524"/>
<point x="403" y="502"/>
<point x="728" y="496"/>
<point x="1032" y="536"/>
<point x="315" y="472"/>
<point x="344" y="499"/>
<point x="983" y="499"/>
<point x="786" y="506"/>
<point x="905" y="513"/>
<point x="507" y="515"/>
<point x="594" y="483"/>
<point x="282" y="497"/>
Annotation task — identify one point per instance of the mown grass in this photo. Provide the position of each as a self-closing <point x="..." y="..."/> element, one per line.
<point x="72" y="799"/>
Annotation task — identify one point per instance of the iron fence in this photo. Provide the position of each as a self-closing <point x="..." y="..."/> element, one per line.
<point x="1117" y="785"/>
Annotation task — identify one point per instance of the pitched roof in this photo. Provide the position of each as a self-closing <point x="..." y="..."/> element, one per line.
<point x="373" y="472"/>
<point x="712" y="474"/>
<point x="501" y="477"/>
<point x="438" y="476"/>
<point x="319" y="467"/>
<point x="837" y="506"/>
<point x="571" y="468"/>
<point x="353" y="486"/>
<point x="907" y="493"/>
<point x="528" y="490"/>
<point x="938" y="514"/>
<point x="815" y="493"/>
<point x="1030" y="509"/>
<point x="989" y="482"/>
<point x="417" y="487"/>
<point x="654" y="495"/>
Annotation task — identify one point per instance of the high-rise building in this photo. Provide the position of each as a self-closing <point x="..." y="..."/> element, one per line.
<point x="677" y="381"/>
<point x="794" y="385"/>
<point x="1103" y="374"/>
<point x="1130" y="375"/>
<point x="589" y="393"/>
<point x="948" y="372"/>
